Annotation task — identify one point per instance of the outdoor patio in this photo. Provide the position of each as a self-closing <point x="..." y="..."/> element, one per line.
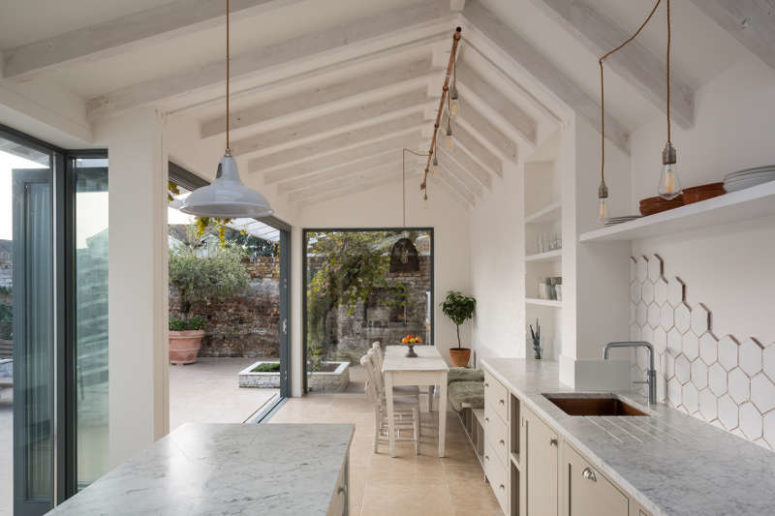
<point x="208" y="392"/>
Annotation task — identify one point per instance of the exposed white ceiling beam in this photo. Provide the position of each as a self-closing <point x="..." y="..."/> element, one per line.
<point x="467" y="163"/>
<point x="370" y="83"/>
<point x="470" y="82"/>
<point x="481" y="153"/>
<point x="358" y="177"/>
<point x="339" y="121"/>
<point x="487" y="130"/>
<point x="393" y="27"/>
<point x="354" y="188"/>
<point x="750" y="22"/>
<point x="459" y="177"/>
<point x="454" y="188"/>
<point x="344" y="170"/>
<point x="544" y="71"/>
<point x="448" y="161"/>
<point x="634" y="63"/>
<point x="339" y="141"/>
<point x="121" y="34"/>
<point x="314" y="165"/>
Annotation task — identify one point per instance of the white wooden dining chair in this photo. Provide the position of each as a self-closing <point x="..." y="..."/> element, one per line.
<point x="406" y="409"/>
<point x="377" y="357"/>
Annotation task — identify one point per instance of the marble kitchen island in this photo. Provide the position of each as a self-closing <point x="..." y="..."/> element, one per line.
<point x="228" y="469"/>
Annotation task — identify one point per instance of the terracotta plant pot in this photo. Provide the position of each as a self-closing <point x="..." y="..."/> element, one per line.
<point x="460" y="356"/>
<point x="184" y="346"/>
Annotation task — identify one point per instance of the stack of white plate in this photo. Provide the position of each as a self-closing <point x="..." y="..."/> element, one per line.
<point x="611" y="221"/>
<point x="748" y="178"/>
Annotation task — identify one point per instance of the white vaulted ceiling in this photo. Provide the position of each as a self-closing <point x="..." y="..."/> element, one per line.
<point x="325" y="94"/>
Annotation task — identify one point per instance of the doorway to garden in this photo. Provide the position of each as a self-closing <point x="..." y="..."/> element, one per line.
<point x="228" y="313"/>
<point x="362" y="286"/>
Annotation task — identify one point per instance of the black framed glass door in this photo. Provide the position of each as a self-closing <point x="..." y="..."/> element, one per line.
<point x="53" y="307"/>
<point x="246" y="331"/>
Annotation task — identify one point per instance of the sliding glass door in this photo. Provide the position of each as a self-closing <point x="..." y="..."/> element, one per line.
<point x="28" y="286"/>
<point x="53" y="322"/>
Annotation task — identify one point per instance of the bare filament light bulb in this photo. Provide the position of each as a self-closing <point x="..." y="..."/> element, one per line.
<point x="669" y="185"/>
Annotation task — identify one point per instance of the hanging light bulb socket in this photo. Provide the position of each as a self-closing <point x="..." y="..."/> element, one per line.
<point x="669" y="185"/>
<point x="602" y="195"/>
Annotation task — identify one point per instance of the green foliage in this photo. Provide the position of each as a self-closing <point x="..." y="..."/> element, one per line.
<point x="201" y="273"/>
<point x="266" y="367"/>
<point x="354" y="265"/>
<point x="459" y="309"/>
<point x="194" y="323"/>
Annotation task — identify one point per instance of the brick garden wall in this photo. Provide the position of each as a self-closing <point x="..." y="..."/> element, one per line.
<point x="247" y="325"/>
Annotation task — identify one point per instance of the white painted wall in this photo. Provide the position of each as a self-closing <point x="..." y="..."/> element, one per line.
<point x="381" y="207"/>
<point x="498" y="267"/>
<point x="137" y="278"/>
<point x="728" y="268"/>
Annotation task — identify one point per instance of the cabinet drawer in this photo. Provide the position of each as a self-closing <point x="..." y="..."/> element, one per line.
<point x="497" y="474"/>
<point x="497" y="395"/>
<point x="589" y="492"/>
<point x="339" y="501"/>
<point x="496" y="432"/>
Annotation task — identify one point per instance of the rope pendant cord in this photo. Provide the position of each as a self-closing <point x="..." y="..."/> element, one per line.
<point x="602" y="82"/>
<point x="228" y="65"/>
<point x="667" y="68"/>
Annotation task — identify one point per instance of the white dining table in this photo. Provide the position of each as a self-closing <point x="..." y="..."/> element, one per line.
<point x="427" y="369"/>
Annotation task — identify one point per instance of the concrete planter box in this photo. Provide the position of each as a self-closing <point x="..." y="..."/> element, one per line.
<point x="333" y="381"/>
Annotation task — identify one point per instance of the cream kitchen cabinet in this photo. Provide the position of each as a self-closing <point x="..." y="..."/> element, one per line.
<point x="587" y="492"/>
<point x="541" y="467"/>
<point x="496" y="438"/>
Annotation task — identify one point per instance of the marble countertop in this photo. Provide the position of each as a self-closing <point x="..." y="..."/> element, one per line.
<point x="224" y="469"/>
<point x="671" y="463"/>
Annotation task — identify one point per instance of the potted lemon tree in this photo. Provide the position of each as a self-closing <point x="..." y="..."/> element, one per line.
<point x="200" y="274"/>
<point x="459" y="309"/>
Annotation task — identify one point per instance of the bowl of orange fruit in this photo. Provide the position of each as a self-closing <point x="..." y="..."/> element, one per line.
<point x="410" y="340"/>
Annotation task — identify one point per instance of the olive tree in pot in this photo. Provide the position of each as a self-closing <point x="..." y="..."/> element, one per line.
<point x="200" y="274"/>
<point x="459" y="309"/>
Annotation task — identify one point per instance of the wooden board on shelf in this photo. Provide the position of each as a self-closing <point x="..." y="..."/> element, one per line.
<point x="544" y="302"/>
<point x="751" y="203"/>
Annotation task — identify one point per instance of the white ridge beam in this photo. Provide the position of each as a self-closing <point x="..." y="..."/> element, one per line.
<point x="750" y="22"/>
<point x="471" y="82"/>
<point x="634" y="63"/>
<point x="339" y="141"/>
<point x="393" y="27"/>
<point x="121" y="34"/>
<point x="315" y="164"/>
<point x="317" y="96"/>
<point x="544" y="71"/>
<point x="414" y="100"/>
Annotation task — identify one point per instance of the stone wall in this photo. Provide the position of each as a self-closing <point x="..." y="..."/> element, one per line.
<point x="246" y="325"/>
<point x="353" y="331"/>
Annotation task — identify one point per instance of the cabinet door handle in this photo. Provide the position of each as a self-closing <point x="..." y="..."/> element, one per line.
<point x="553" y="442"/>
<point x="502" y="442"/>
<point x="589" y="474"/>
<point x="502" y="402"/>
<point x="486" y="457"/>
<point x="341" y="490"/>
<point x="487" y="420"/>
<point x="502" y="487"/>
<point x="486" y="384"/>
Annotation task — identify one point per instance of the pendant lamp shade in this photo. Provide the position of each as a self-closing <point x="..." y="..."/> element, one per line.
<point x="227" y="197"/>
<point x="404" y="257"/>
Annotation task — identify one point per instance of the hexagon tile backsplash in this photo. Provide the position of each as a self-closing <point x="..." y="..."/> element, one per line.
<point x="726" y="380"/>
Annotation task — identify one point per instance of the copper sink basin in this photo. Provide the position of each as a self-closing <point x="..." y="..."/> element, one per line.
<point x="593" y="405"/>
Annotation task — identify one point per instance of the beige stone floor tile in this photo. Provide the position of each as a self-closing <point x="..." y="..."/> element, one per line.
<point x="407" y="500"/>
<point x="408" y="484"/>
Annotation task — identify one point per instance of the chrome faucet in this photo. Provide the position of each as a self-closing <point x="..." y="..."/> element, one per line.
<point x="651" y="375"/>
